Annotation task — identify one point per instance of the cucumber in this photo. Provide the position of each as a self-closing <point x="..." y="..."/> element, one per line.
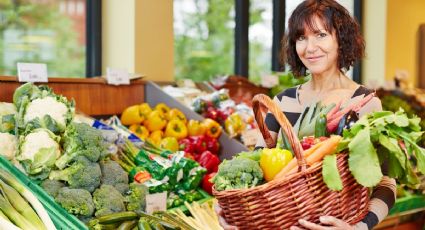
<point x="320" y="126"/>
<point x="115" y="218"/>
<point x="127" y="225"/>
<point x="143" y="224"/>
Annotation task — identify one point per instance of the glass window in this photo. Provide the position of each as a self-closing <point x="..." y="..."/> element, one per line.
<point x="260" y="38"/>
<point x="43" y="31"/>
<point x="203" y="38"/>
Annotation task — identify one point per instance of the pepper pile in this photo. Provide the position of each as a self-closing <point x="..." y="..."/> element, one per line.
<point x="164" y="126"/>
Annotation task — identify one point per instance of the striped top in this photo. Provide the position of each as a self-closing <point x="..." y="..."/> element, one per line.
<point x="384" y="194"/>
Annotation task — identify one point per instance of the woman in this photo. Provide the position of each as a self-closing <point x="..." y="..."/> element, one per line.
<point x="325" y="40"/>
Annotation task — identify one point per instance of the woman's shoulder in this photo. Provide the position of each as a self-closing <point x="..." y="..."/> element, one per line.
<point x="289" y="92"/>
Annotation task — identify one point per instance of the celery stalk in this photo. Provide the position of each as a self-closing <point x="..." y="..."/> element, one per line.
<point x="14" y="215"/>
<point x="21" y="205"/>
<point x="27" y="194"/>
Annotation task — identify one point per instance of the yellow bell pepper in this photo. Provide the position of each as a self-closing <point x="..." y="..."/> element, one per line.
<point x="163" y="108"/>
<point x="170" y="143"/>
<point x="155" y="137"/>
<point x="274" y="160"/>
<point x="139" y="130"/>
<point x="145" y="110"/>
<point x="212" y="128"/>
<point x="131" y="115"/>
<point x="176" y="114"/>
<point x="176" y="128"/>
<point x="234" y="125"/>
<point x="155" y="121"/>
<point x="195" y="128"/>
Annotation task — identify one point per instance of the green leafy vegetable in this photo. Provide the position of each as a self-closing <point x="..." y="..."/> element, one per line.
<point x="330" y="173"/>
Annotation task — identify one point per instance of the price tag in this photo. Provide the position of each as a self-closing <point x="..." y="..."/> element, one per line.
<point x="156" y="202"/>
<point x="249" y="137"/>
<point x="117" y="76"/>
<point x="269" y="81"/>
<point x="32" y="72"/>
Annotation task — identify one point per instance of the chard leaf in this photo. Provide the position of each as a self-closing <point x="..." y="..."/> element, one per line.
<point x="395" y="169"/>
<point x="330" y="173"/>
<point x="420" y="157"/>
<point x="380" y="114"/>
<point x="401" y="120"/>
<point x="414" y="124"/>
<point x="395" y="152"/>
<point x="363" y="160"/>
<point x="343" y="144"/>
<point x="390" y="119"/>
<point x="415" y="136"/>
<point x="411" y="178"/>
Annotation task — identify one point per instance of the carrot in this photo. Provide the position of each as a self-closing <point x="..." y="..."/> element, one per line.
<point x="336" y="117"/>
<point x="317" y="153"/>
<point x="293" y="163"/>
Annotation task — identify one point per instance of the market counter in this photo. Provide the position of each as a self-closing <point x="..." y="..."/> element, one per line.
<point x="93" y="96"/>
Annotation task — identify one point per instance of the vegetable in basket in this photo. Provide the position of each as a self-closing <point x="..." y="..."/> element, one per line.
<point x="76" y="201"/>
<point x="237" y="173"/>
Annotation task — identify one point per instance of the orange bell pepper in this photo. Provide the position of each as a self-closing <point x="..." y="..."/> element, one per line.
<point x="213" y="128"/>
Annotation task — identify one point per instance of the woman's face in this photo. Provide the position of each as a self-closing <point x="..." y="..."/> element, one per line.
<point x="318" y="50"/>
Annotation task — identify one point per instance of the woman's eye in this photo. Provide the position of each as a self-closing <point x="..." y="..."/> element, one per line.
<point x="322" y="35"/>
<point x="301" y="38"/>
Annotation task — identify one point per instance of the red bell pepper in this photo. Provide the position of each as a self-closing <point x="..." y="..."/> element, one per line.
<point x="209" y="161"/>
<point x="207" y="184"/>
<point x="200" y="145"/>
<point x="187" y="145"/>
<point x="212" y="144"/>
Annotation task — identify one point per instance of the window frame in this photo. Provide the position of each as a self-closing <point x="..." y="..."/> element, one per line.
<point x="93" y="38"/>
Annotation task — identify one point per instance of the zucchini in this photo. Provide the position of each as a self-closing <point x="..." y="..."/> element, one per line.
<point x="116" y="217"/>
<point x="127" y="225"/>
<point x="143" y="224"/>
<point x="320" y="126"/>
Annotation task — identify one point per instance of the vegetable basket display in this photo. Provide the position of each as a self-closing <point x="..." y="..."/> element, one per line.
<point x="280" y="203"/>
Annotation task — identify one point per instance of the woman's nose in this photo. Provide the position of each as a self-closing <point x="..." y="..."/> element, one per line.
<point x="311" y="45"/>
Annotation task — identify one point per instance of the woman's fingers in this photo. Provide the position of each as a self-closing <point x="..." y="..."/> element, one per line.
<point x="310" y="225"/>
<point x="221" y="220"/>
<point x="218" y="209"/>
<point x="330" y="220"/>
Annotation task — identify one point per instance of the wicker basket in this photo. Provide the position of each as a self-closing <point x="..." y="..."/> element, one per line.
<point x="279" y="204"/>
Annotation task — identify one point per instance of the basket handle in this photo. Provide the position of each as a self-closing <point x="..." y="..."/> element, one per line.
<point x="261" y="99"/>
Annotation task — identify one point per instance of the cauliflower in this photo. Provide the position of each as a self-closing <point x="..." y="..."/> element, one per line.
<point x="8" y="143"/>
<point x="38" y="152"/>
<point x="40" y="107"/>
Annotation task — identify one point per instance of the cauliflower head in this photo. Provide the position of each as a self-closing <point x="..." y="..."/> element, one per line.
<point x="8" y="144"/>
<point x="38" y="151"/>
<point x="7" y="117"/>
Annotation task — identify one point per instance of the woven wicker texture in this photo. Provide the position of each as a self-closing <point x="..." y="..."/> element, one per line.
<point x="279" y="204"/>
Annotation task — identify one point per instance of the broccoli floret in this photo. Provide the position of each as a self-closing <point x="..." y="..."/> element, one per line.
<point x="76" y="201"/>
<point x="81" y="140"/>
<point x="52" y="187"/>
<point x="107" y="200"/>
<point x="238" y="173"/>
<point x="113" y="174"/>
<point x="136" y="197"/>
<point x="82" y="174"/>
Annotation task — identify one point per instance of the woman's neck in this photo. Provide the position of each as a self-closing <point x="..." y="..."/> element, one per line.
<point x="328" y="81"/>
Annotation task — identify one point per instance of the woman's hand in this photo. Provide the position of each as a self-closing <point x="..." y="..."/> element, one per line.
<point x="221" y="220"/>
<point x="330" y="222"/>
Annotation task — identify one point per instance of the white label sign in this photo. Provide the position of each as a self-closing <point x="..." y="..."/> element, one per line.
<point x="32" y="72"/>
<point x="156" y="202"/>
<point x="117" y="76"/>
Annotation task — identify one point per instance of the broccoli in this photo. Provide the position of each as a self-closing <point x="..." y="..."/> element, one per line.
<point x="52" y="187"/>
<point x="114" y="175"/>
<point x="136" y="197"/>
<point x="76" y="201"/>
<point x="108" y="200"/>
<point x="237" y="173"/>
<point x="82" y="174"/>
<point x="81" y="139"/>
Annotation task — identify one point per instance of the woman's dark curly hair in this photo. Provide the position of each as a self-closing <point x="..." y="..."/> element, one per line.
<point x="335" y="18"/>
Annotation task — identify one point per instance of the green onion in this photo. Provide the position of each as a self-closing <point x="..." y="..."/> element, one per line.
<point x="14" y="215"/>
<point x="27" y="194"/>
<point x="21" y="205"/>
<point x="6" y="224"/>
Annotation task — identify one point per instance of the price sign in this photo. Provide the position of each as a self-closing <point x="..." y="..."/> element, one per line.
<point x="32" y="72"/>
<point x="117" y="76"/>
<point x="156" y="202"/>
